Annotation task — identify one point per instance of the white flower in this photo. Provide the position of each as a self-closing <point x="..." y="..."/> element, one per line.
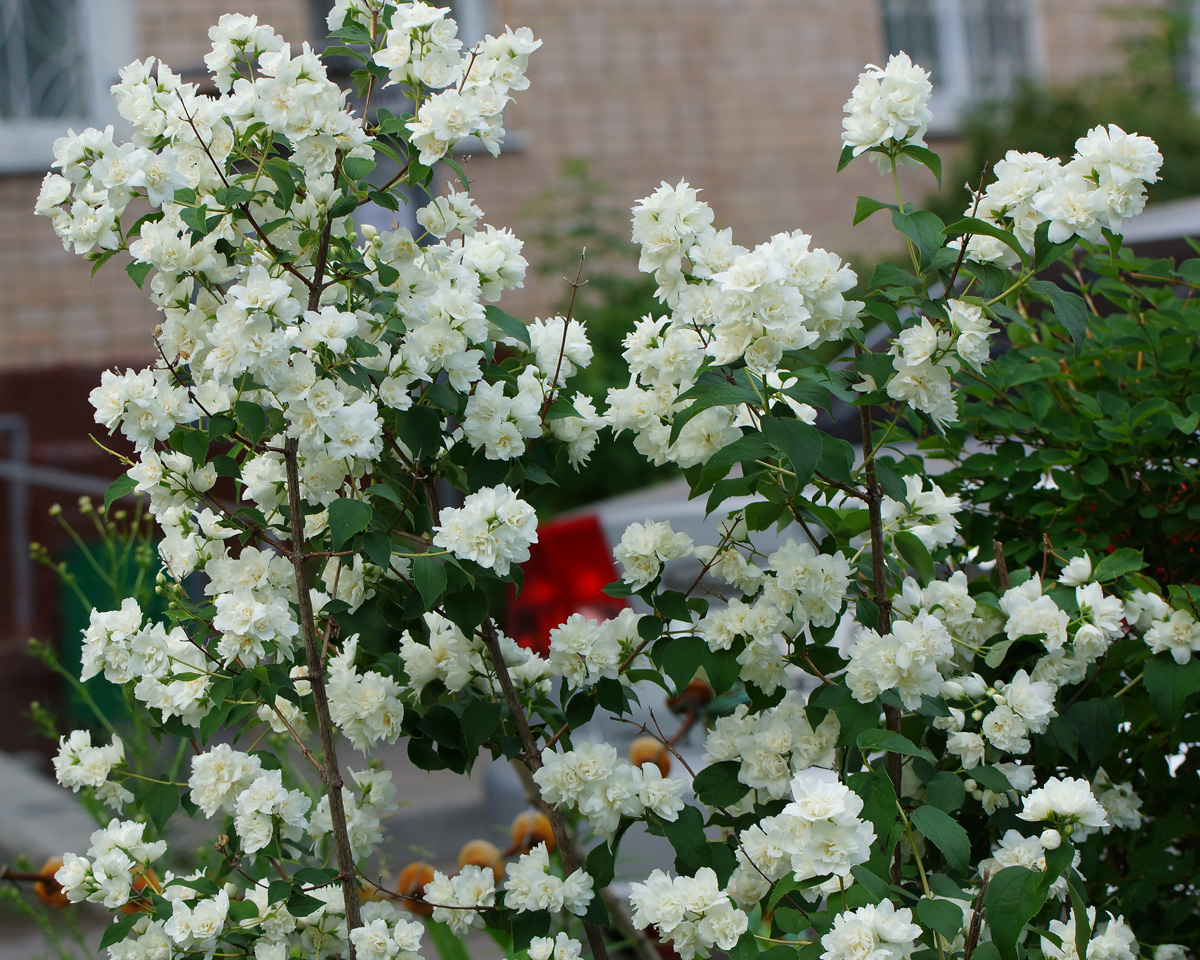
<point x="494" y="528"/>
<point x="1069" y="802"/>
<point x="888" y="105"/>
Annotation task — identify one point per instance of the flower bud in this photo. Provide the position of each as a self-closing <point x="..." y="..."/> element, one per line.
<point x="952" y="690"/>
<point x="976" y="715"/>
<point x="973" y="685"/>
<point x="1050" y="839"/>
<point x="970" y="786"/>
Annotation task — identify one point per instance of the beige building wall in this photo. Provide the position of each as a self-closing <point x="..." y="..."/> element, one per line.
<point x="743" y="100"/>
<point x="53" y="313"/>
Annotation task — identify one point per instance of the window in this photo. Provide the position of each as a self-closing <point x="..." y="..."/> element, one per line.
<point x="974" y="49"/>
<point x="57" y="60"/>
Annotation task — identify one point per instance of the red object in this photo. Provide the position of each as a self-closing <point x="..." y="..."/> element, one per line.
<point x="567" y="571"/>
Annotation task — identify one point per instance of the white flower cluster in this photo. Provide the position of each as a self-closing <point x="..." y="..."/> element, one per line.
<point x="731" y="304"/>
<point x="494" y="527"/>
<point x="1014" y="850"/>
<point x="645" y="547"/>
<point x="878" y="931"/>
<point x="927" y="354"/>
<point x="773" y="745"/>
<point x="373" y="797"/>
<point x="818" y="834"/>
<point x="583" y="651"/>
<point x="1103" y="185"/>
<point x="529" y="885"/>
<point x="1174" y="630"/>
<point x="381" y="940"/>
<point x="1069" y="804"/>
<point x="456" y="900"/>
<point x="118" y="853"/>
<point x="265" y="807"/>
<point x="1110" y="940"/>
<point x="563" y="947"/>
<point x="457" y="661"/>
<point x="1121" y="804"/>
<point x="888" y="106"/>
<point x="928" y="514"/>
<point x="906" y="660"/>
<point x="693" y="913"/>
<point x="196" y="921"/>
<point x="219" y="775"/>
<point x="80" y="764"/>
<point x="422" y="49"/>
<point x="605" y="789"/>
<point x="365" y="705"/>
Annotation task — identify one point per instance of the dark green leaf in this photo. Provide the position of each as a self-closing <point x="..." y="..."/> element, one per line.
<point x="1171" y="685"/>
<point x="927" y="157"/>
<point x="944" y="916"/>
<point x="510" y="326"/>
<point x="1118" y="563"/>
<point x="161" y="802"/>
<point x="873" y="741"/>
<point x="800" y="443"/>
<point x="1068" y="307"/>
<point x="1014" y="896"/>
<point x="138" y="272"/>
<point x="945" y="833"/>
<point x="346" y="518"/>
<point x="915" y="554"/>
<point x="429" y="574"/>
<point x="946" y="791"/>
<point x="718" y="784"/>
<point x="118" y="930"/>
<point x="866" y="206"/>
<point x="971" y="225"/>
<point x="117" y="489"/>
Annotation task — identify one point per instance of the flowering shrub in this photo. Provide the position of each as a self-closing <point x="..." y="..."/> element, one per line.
<point x="321" y="386"/>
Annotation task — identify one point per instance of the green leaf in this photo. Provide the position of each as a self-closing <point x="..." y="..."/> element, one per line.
<point x="1014" y="896"/>
<point x="845" y="157"/>
<point x="377" y="546"/>
<point x="1118" y="563"/>
<point x="879" y="888"/>
<point x="1068" y="307"/>
<point x="447" y="944"/>
<point x="974" y="226"/>
<point x="1171" y="685"/>
<point x="346" y="518"/>
<point x="991" y="779"/>
<point x="301" y="904"/>
<point x="924" y="229"/>
<point x="479" y="721"/>
<point x="800" y="443"/>
<point x="1083" y="929"/>
<point x="119" y="929"/>
<point x="600" y="865"/>
<point x="161" y="802"/>
<point x="946" y="791"/>
<point x="944" y="916"/>
<point x="138" y="271"/>
<point x="686" y="836"/>
<point x="866" y="206"/>
<point x="681" y="658"/>
<point x="253" y="419"/>
<point x="708" y="393"/>
<point x="915" y="554"/>
<point x="871" y="741"/>
<point x="510" y="326"/>
<point x="117" y="489"/>
<point x="429" y="574"/>
<point x="926" y="157"/>
<point x="718" y="784"/>
<point x="945" y="833"/>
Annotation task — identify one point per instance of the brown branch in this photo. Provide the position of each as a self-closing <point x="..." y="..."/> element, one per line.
<point x="1001" y="566"/>
<point x="532" y="762"/>
<point x="312" y="651"/>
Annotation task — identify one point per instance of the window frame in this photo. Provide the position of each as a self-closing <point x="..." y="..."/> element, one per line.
<point x="108" y="42"/>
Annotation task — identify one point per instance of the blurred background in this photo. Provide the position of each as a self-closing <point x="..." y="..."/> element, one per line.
<point x="741" y="98"/>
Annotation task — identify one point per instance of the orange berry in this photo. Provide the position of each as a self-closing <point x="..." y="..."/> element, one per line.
<point x="482" y="853"/>
<point x="411" y="883"/>
<point x="531" y="828"/>
<point x="650" y="750"/>
<point x="49" y="891"/>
